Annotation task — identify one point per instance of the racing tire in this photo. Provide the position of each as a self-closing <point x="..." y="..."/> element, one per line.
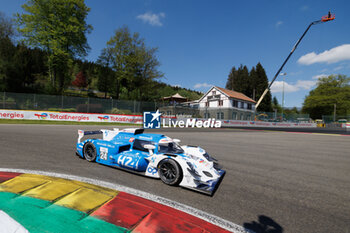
<point x="170" y="172"/>
<point x="89" y="152"/>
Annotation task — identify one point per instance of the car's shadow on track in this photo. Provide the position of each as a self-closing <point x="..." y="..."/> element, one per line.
<point x="264" y="225"/>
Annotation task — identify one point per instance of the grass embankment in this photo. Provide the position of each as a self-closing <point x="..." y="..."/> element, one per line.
<point x="45" y="122"/>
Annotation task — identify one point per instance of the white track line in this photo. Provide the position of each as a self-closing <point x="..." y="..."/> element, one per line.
<point x="176" y="205"/>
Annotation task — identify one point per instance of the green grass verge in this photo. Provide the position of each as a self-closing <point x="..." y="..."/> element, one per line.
<point x="45" y="122"/>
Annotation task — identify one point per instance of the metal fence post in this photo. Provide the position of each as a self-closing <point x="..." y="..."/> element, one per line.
<point x="88" y="104"/>
<point x="111" y="104"/>
<point x="134" y="106"/>
<point x="3" y="102"/>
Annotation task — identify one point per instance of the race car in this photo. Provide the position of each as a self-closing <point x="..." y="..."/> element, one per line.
<point x="153" y="155"/>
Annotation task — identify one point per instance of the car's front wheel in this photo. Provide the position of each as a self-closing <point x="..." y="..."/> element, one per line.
<point x="170" y="172"/>
<point x="89" y="152"/>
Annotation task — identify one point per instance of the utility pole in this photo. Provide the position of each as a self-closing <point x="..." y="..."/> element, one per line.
<point x="322" y="20"/>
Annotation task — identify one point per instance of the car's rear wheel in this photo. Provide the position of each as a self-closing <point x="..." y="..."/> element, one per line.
<point x="170" y="172"/>
<point x="89" y="152"/>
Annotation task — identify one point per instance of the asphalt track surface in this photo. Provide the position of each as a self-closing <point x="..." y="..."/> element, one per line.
<point x="275" y="181"/>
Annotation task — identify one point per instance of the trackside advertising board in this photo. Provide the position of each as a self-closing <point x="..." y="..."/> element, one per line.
<point x="134" y="119"/>
<point x="69" y="116"/>
<point x="233" y="123"/>
<point x="346" y="125"/>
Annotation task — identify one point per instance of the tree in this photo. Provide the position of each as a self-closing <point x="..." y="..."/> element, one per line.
<point x="260" y="83"/>
<point x="6" y="26"/>
<point x="59" y="28"/>
<point x="253" y="81"/>
<point x="330" y="90"/>
<point x="135" y="66"/>
<point x="7" y="49"/>
<point x="276" y="105"/>
<point x="80" y="80"/>
<point x="252" y="84"/>
<point x="242" y="83"/>
<point x="231" y="78"/>
<point x="238" y="80"/>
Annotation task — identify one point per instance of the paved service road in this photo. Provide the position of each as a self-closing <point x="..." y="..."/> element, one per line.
<point x="290" y="182"/>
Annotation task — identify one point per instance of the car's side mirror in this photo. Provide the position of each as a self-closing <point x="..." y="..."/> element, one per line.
<point x="177" y="140"/>
<point x="150" y="148"/>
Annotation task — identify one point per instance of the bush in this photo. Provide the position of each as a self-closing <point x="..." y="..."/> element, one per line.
<point x="93" y="108"/>
<point x="62" y="109"/>
<point x="121" y="111"/>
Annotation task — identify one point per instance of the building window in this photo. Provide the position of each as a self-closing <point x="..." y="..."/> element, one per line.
<point x="234" y="116"/>
<point x="213" y="93"/>
<point x="206" y="104"/>
<point x="206" y="115"/>
<point x="220" y="115"/>
<point x="235" y="103"/>
<point x="209" y="97"/>
<point x="221" y="102"/>
<point x="242" y="104"/>
<point x="249" y="106"/>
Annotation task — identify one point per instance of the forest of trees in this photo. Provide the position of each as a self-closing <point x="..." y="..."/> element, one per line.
<point x="251" y="83"/>
<point x="42" y="50"/>
<point x="332" y="92"/>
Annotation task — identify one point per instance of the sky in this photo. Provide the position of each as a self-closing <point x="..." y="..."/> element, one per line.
<point x="199" y="41"/>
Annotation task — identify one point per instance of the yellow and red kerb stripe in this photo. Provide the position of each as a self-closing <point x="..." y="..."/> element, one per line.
<point x="125" y="211"/>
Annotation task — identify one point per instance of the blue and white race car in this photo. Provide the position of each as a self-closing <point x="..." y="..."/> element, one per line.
<point x="153" y="155"/>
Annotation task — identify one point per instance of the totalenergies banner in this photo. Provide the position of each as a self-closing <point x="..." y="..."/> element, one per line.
<point x="346" y="125"/>
<point x="234" y="123"/>
<point x="69" y="116"/>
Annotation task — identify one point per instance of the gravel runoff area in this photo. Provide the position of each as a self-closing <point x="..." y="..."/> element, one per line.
<point x="289" y="182"/>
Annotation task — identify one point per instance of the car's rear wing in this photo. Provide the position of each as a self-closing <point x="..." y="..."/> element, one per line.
<point x="109" y="134"/>
<point x="134" y="131"/>
<point x="82" y="133"/>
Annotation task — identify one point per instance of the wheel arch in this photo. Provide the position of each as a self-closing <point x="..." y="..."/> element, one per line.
<point x="181" y="171"/>
<point x="94" y="147"/>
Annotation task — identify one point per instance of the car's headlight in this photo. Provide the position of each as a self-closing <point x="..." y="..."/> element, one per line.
<point x="207" y="174"/>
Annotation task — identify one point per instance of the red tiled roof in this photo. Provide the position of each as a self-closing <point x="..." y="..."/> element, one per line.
<point x="236" y="95"/>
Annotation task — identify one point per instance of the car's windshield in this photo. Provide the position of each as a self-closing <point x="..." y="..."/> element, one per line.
<point x="170" y="147"/>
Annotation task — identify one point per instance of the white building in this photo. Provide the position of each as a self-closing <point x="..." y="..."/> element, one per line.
<point x="226" y="104"/>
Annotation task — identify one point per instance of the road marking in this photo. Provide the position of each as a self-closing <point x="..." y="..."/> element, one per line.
<point x="9" y="225"/>
<point x="187" y="209"/>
